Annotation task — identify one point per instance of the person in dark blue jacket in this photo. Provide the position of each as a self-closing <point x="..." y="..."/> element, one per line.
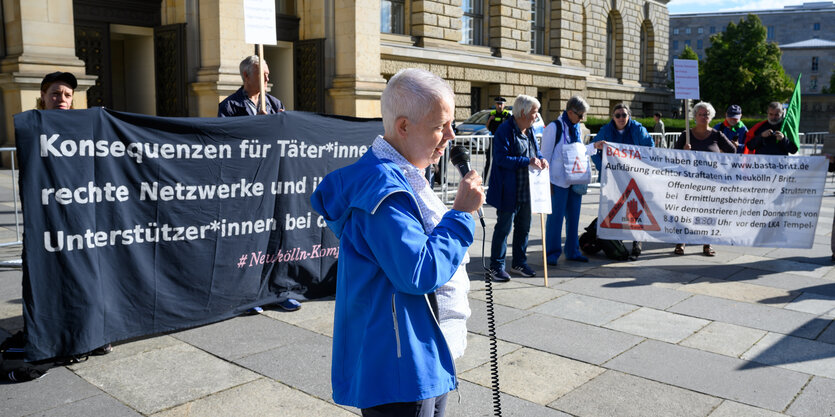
<point x="622" y="129"/>
<point x="733" y="128"/>
<point x="398" y="244"/>
<point x="245" y="101"/>
<point x="514" y="151"/>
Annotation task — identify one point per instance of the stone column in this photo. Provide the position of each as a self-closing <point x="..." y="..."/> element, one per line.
<point x="437" y="22"/>
<point x="40" y="39"/>
<point x="357" y="83"/>
<point x="510" y="28"/>
<point x="222" y="47"/>
<point x="566" y="21"/>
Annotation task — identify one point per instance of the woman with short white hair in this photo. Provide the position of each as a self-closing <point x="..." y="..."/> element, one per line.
<point x="514" y="151"/>
<point x="703" y="138"/>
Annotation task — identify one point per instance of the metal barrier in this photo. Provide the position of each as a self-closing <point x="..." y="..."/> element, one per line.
<point x="16" y="239"/>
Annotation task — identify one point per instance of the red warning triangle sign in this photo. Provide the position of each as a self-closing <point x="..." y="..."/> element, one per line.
<point x="631" y="219"/>
<point x="579" y="166"/>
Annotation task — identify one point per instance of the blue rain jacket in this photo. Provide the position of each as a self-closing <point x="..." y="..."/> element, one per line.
<point x="387" y="345"/>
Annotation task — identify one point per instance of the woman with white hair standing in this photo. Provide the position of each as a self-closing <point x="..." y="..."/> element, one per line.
<point x="705" y="139"/>
<point x="514" y="150"/>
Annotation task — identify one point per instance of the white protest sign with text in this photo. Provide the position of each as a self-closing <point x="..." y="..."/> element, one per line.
<point x="540" y="184"/>
<point x="687" y="78"/>
<point x="259" y="22"/>
<point x="666" y="195"/>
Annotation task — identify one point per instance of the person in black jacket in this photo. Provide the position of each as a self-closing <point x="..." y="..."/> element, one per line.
<point x="765" y="138"/>
<point x="246" y="100"/>
<point x="497" y="117"/>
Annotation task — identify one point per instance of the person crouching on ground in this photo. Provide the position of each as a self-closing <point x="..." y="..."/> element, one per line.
<point x="398" y="245"/>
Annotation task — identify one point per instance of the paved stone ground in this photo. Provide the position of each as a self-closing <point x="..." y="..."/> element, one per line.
<point x="747" y="333"/>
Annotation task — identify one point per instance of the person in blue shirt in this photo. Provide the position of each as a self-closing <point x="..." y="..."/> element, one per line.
<point x="398" y="245"/>
<point x="733" y="128"/>
<point x="622" y="129"/>
<point x="514" y="151"/>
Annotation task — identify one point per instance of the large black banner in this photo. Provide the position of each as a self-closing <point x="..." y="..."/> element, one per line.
<point x="138" y="225"/>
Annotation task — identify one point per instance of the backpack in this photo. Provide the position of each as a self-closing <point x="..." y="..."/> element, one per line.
<point x="12" y="366"/>
<point x="588" y="240"/>
<point x="591" y="244"/>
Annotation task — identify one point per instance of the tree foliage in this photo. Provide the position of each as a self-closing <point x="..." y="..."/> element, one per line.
<point x="831" y="88"/>
<point x="741" y="67"/>
<point x="687" y="53"/>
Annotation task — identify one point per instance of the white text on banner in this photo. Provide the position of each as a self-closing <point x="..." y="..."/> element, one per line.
<point x="667" y="195"/>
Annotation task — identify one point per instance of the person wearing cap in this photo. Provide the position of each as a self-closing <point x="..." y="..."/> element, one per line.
<point x="733" y="128"/>
<point x="246" y="101"/>
<point x="497" y="117"/>
<point x="57" y="89"/>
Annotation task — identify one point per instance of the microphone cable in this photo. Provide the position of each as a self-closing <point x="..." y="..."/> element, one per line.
<point x="491" y="326"/>
<point x="460" y="157"/>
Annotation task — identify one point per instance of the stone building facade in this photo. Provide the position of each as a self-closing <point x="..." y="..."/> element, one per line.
<point x="180" y="57"/>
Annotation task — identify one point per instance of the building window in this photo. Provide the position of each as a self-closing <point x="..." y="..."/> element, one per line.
<point x="687" y="31"/>
<point x="814" y="64"/>
<point x="816" y="26"/>
<point x="713" y="29"/>
<point x="700" y="30"/>
<point x="687" y="42"/>
<point x="610" y="47"/>
<point x="472" y="22"/>
<point x="538" y="27"/>
<point x="675" y="45"/>
<point x="475" y="99"/>
<point x="392" y="16"/>
<point x="813" y="83"/>
<point x="642" y="70"/>
<point x="699" y="44"/>
<point x="675" y="31"/>
<point x="770" y="34"/>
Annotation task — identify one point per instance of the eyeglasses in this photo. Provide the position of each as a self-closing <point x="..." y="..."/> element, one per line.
<point x="702" y="115"/>
<point x="620" y="115"/>
<point x="580" y="115"/>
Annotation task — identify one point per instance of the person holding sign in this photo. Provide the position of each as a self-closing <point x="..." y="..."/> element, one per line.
<point x="57" y="91"/>
<point x="514" y="151"/>
<point x="244" y="102"/>
<point x="398" y="245"/>
<point x="562" y="146"/>
<point x="622" y="129"/>
<point x="766" y="137"/>
<point x="703" y="139"/>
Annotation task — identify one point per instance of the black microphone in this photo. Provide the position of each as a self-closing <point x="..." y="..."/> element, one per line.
<point x="460" y="157"/>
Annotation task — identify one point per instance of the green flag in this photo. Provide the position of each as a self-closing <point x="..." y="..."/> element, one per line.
<point x="791" y="123"/>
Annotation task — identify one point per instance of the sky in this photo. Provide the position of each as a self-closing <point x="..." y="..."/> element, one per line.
<point x="709" y="6"/>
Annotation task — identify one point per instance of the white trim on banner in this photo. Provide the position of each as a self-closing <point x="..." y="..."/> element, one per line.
<point x="668" y="195"/>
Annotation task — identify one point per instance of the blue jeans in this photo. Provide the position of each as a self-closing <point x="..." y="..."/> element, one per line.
<point x="520" y="218"/>
<point x="564" y="204"/>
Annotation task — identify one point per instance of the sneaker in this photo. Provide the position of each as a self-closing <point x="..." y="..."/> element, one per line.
<point x="290" y="304"/>
<point x="254" y="310"/>
<point x="102" y="350"/>
<point x="524" y="271"/>
<point x="578" y="258"/>
<point x="636" y="249"/>
<point x="499" y="275"/>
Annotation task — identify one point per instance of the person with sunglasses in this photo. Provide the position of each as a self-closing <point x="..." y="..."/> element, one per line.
<point x="622" y="129"/>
